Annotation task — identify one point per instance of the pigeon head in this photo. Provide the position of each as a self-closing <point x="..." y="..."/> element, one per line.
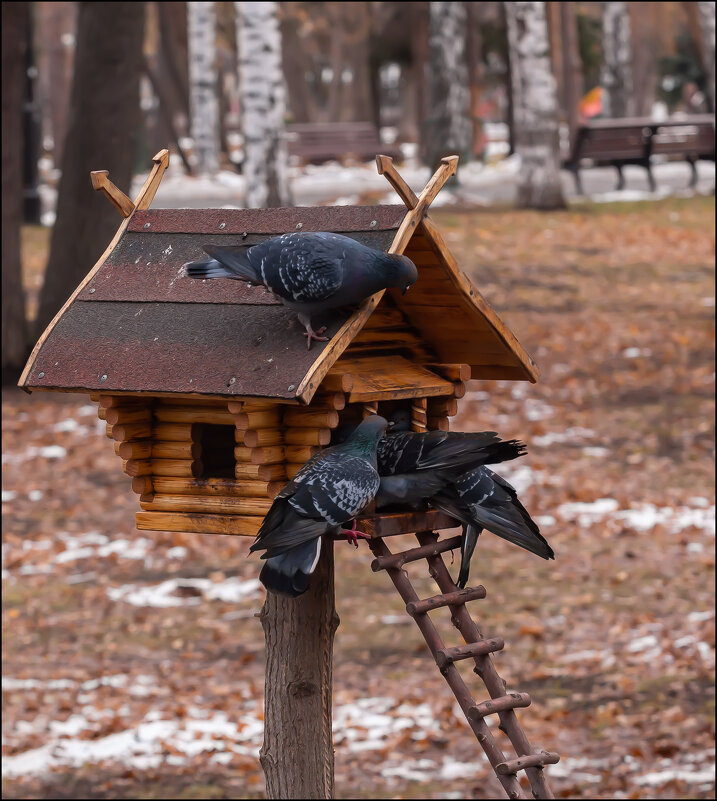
<point x="366" y="435"/>
<point x="400" y="421"/>
<point x="401" y="272"/>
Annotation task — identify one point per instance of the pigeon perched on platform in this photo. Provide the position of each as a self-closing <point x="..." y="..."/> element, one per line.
<point x="331" y="489"/>
<point x="481" y="499"/>
<point x="311" y="273"/>
<point x="473" y="494"/>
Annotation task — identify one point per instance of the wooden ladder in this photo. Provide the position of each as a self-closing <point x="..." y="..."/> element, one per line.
<point x="479" y="649"/>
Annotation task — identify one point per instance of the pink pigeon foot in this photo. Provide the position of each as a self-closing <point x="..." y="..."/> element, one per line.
<point x="352" y="535"/>
<point x="312" y="335"/>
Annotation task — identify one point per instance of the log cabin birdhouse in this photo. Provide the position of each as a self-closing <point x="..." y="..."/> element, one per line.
<point x="213" y="401"/>
<point x="207" y="388"/>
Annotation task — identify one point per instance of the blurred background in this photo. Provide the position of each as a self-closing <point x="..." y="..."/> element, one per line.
<point x="583" y="210"/>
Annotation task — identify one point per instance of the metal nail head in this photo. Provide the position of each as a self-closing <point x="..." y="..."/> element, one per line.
<point x="92" y="290"/>
<point x="104" y="377"/>
<point x="40" y="375"/>
<point x="231" y="381"/>
<point x="222" y="225"/>
<point x="373" y="223"/>
<point x="291" y="387"/>
<point x="299" y="225"/>
<point x="146" y="225"/>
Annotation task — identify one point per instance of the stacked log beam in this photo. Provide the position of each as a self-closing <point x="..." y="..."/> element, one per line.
<point x="129" y="424"/>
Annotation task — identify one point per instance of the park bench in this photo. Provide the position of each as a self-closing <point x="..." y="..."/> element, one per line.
<point x="334" y="141"/>
<point x="636" y="140"/>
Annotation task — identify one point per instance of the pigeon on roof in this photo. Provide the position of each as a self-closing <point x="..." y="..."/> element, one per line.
<point x="331" y="489"/>
<point x="481" y="499"/>
<point x="311" y="273"/>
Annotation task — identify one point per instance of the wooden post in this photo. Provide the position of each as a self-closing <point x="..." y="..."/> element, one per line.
<point x="298" y="755"/>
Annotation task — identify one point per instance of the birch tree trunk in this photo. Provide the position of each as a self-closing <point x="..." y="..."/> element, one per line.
<point x="535" y="107"/>
<point x="263" y="105"/>
<point x="707" y="19"/>
<point x="203" y="104"/>
<point x="447" y="129"/>
<point x="616" y="76"/>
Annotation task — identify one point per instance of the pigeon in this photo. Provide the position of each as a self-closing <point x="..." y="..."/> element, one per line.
<point x="481" y="499"/>
<point x="309" y="272"/>
<point x="473" y="494"/>
<point x="332" y="488"/>
<point x="404" y="451"/>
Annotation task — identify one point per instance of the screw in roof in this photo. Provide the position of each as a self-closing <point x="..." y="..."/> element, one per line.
<point x="299" y="225"/>
<point x="41" y="375"/>
<point x="374" y="223"/>
<point x="92" y="290"/>
<point x="222" y="225"/>
<point x="103" y="377"/>
<point x="146" y="225"/>
<point x="291" y="387"/>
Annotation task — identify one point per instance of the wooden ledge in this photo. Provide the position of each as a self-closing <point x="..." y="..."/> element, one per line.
<point x="390" y="525"/>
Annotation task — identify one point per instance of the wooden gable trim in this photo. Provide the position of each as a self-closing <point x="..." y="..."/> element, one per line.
<point x="142" y="201"/>
<point x="460" y="281"/>
<point x="354" y="324"/>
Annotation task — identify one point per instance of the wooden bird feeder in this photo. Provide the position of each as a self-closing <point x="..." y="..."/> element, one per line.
<point x="213" y="400"/>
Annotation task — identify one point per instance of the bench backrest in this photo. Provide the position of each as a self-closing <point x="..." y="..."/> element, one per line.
<point x="690" y="139"/>
<point x="624" y="142"/>
<point x="314" y="140"/>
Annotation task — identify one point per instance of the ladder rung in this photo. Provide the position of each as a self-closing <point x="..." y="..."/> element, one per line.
<point x="400" y="559"/>
<point x="529" y="761"/>
<point x="448" y="599"/>
<point x="446" y="656"/>
<point x="510" y="701"/>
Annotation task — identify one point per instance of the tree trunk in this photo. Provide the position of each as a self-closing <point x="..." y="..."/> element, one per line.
<point x="104" y="117"/>
<point x="263" y="105"/>
<point x="447" y="129"/>
<point x="707" y="19"/>
<point x="14" y="326"/>
<point x="298" y="755"/>
<point x="535" y="108"/>
<point x="616" y="76"/>
<point x="203" y="104"/>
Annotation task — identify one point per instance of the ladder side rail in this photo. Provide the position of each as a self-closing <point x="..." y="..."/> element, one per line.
<point x="492" y="750"/>
<point x="486" y="669"/>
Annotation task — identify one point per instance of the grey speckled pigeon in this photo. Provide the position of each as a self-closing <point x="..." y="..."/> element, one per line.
<point x="413" y="465"/>
<point x="481" y="499"/>
<point x="331" y="489"/>
<point x="310" y="272"/>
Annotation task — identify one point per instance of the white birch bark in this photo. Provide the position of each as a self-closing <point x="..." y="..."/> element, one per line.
<point x="203" y="102"/>
<point x="535" y="107"/>
<point x="262" y="97"/>
<point x="707" y="20"/>
<point x="448" y="129"/>
<point x="616" y="76"/>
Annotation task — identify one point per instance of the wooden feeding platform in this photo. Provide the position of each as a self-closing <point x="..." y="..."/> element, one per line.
<point x="213" y="401"/>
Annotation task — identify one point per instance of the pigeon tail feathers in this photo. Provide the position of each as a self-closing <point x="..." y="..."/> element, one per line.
<point x="289" y="573"/>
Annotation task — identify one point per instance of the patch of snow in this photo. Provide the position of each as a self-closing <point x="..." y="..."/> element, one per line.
<point x="70" y="424"/>
<point x="177" y="552"/>
<point x="520" y="477"/>
<point x="417" y="770"/>
<point x="633" y="353"/>
<point x="53" y="452"/>
<point x="596" y="452"/>
<point x="538" y="410"/>
<point x="163" y="595"/>
<point x="545" y="520"/>
<point x="391" y="620"/>
<point x="35" y="495"/>
<point x="8" y="495"/>
<point x="452" y="769"/>
<point x="708" y="302"/>
<point x="698" y="617"/>
<point x="568" y="435"/>
<point x="587" y="513"/>
<point x="87" y="409"/>
<point x="642" y="643"/>
<point x="581" y="656"/>
<point x="679" y="775"/>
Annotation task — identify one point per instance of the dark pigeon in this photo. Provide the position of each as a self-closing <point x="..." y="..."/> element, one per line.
<point x="331" y="489"/>
<point x="311" y="273"/>
<point x="481" y="499"/>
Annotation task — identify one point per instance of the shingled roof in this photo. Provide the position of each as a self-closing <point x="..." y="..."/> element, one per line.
<point x="136" y="324"/>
